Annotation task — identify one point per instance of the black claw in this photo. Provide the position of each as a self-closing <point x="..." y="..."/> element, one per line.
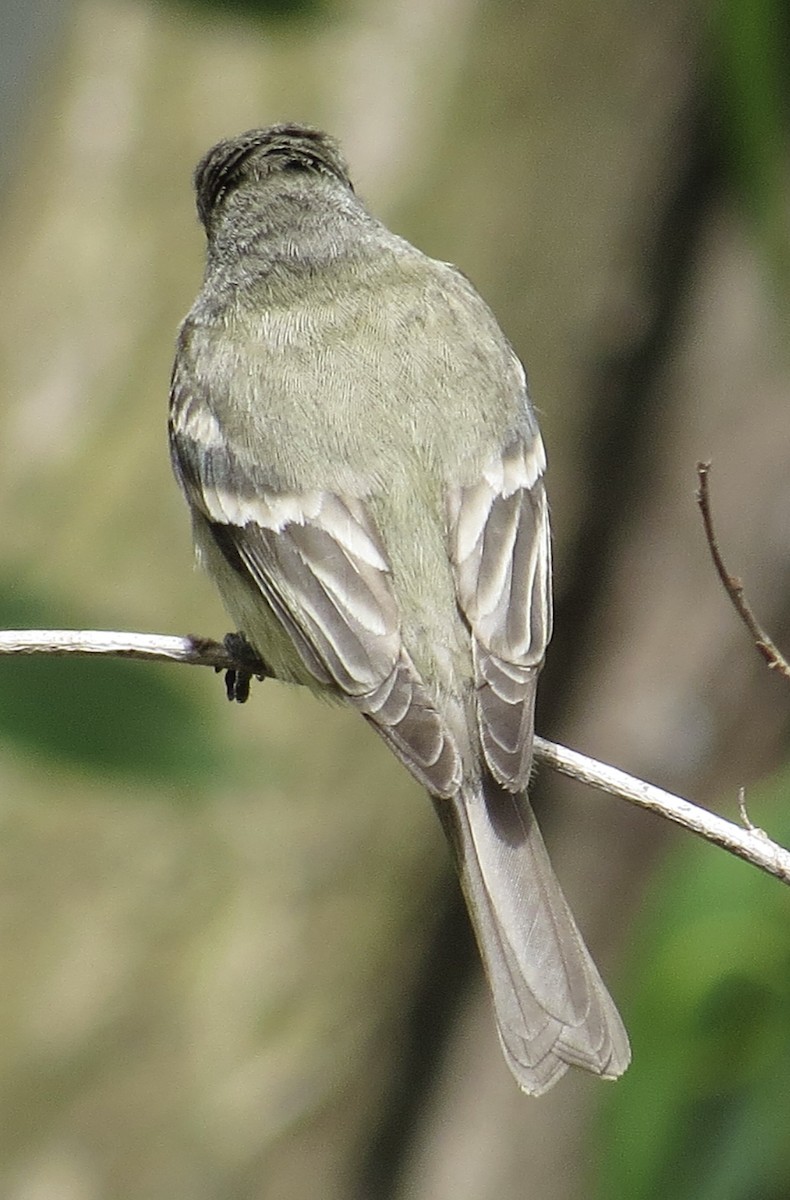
<point x="237" y="679"/>
<point x="237" y="685"/>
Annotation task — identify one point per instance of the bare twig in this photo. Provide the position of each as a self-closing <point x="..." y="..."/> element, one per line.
<point x="749" y="844"/>
<point x="733" y="586"/>
<point x="746" y="820"/>
<point x="151" y="647"/>
<point x="752" y="845"/>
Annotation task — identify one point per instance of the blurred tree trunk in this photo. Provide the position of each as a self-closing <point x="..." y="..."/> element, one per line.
<point x="209" y="986"/>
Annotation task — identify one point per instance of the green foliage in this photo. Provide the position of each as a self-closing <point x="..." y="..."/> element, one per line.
<point x="751" y="59"/>
<point x="267" y="10"/>
<point x="703" y="1112"/>
<point x="102" y="714"/>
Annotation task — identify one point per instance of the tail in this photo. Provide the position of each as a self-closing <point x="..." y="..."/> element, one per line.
<point x="552" y="1008"/>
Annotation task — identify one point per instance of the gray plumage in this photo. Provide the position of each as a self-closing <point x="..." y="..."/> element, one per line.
<point x="353" y="434"/>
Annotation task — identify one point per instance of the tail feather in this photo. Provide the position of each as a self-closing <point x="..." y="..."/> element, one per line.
<point x="552" y="1008"/>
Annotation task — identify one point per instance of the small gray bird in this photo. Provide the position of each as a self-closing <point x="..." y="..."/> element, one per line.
<point x="353" y="435"/>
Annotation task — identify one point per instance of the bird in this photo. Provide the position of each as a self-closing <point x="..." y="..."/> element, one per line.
<point x="354" y="437"/>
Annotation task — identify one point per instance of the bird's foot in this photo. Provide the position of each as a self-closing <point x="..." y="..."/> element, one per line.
<point x="249" y="664"/>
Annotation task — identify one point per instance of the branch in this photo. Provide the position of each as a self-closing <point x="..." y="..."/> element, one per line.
<point x="750" y="844"/>
<point x="150" y="647"/>
<point x="733" y="586"/>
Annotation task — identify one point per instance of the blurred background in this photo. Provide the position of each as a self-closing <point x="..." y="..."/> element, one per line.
<point x="234" y="961"/>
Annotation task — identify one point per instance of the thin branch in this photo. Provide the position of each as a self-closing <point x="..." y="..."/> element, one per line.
<point x="150" y="647"/>
<point x="749" y="844"/>
<point x="733" y="586"/>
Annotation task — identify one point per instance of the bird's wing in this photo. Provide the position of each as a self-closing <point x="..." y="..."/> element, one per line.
<point x="320" y="566"/>
<point x="552" y="1008"/>
<point x="501" y="551"/>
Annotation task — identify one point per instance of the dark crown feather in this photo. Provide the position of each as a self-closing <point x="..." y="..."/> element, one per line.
<point x="261" y="152"/>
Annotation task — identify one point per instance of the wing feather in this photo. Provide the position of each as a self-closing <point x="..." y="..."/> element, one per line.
<point x="318" y="562"/>
<point x="500" y="547"/>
